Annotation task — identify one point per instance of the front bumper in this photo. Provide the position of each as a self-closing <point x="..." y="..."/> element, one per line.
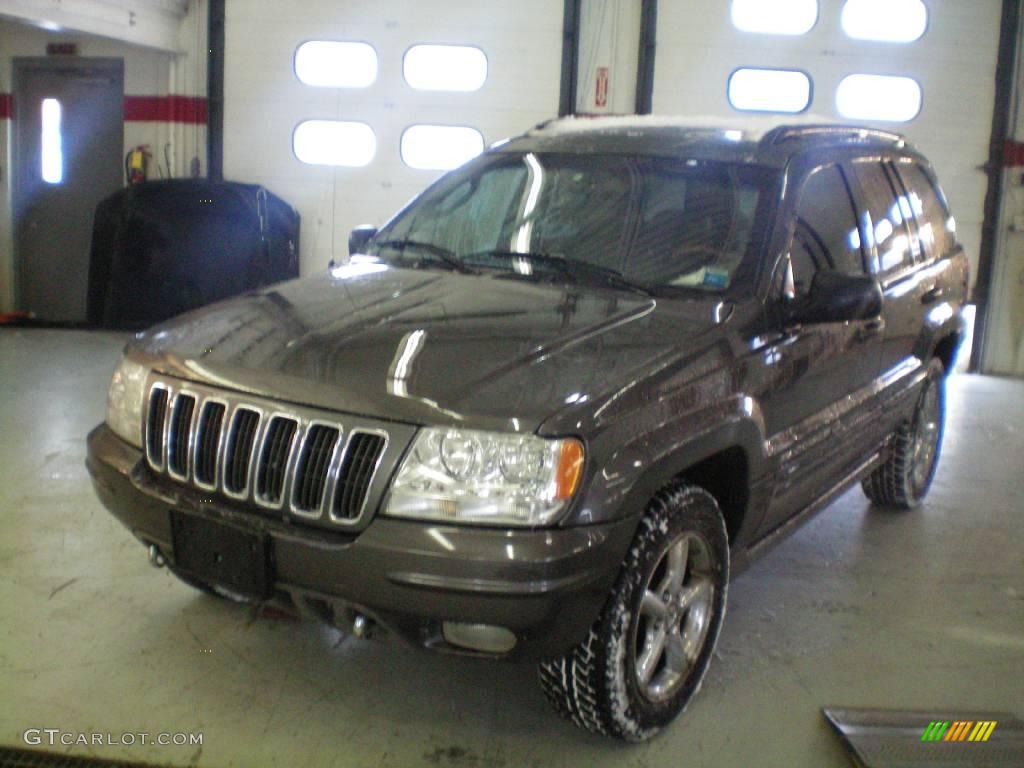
<point x="546" y="586"/>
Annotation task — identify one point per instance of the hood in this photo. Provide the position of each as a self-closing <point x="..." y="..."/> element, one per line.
<point x="428" y="347"/>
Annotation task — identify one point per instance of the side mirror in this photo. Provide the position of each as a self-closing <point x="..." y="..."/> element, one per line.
<point x="836" y="298"/>
<point x="360" y="236"/>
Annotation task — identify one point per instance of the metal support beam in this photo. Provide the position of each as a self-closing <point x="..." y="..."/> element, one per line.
<point x="645" y="59"/>
<point x="215" y="91"/>
<point x="1006" y="64"/>
<point x="570" y="58"/>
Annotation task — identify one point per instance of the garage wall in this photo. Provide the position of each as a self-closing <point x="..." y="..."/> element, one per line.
<point x="609" y="47"/>
<point x="264" y="100"/>
<point x="698" y="48"/>
<point x="1004" y="329"/>
<point x="165" y="104"/>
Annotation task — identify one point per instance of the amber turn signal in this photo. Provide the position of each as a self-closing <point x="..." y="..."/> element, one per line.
<point x="570" y="468"/>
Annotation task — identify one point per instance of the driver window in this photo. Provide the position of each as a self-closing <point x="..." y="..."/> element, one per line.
<point x="825" y="233"/>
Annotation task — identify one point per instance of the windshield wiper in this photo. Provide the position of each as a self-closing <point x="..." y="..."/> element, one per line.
<point x="569" y="267"/>
<point x="441" y="253"/>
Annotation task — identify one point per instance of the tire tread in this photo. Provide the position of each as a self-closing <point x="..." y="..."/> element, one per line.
<point x="891" y="484"/>
<point x="578" y="685"/>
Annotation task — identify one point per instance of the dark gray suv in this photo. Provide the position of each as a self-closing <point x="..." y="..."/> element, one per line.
<point x="550" y="407"/>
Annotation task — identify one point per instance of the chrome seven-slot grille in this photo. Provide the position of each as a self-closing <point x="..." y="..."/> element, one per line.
<point x="281" y="459"/>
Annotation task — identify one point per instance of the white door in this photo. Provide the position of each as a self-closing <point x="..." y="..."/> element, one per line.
<point x="387" y="85"/>
<point x="701" y="45"/>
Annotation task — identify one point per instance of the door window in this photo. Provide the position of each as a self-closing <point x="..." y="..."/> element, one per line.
<point x="935" y="226"/>
<point x="825" y="234"/>
<point x="884" y="222"/>
<point x="52" y="143"/>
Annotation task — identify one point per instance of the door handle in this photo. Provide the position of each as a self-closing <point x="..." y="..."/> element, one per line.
<point x="932" y="295"/>
<point x="870" y="329"/>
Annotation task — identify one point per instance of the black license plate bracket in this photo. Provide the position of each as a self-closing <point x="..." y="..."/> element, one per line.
<point x="222" y="555"/>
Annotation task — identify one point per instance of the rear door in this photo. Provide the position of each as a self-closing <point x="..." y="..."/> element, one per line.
<point x="815" y="368"/>
<point x="894" y="256"/>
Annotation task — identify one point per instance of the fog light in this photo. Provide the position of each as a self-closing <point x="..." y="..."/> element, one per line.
<point x="479" y="637"/>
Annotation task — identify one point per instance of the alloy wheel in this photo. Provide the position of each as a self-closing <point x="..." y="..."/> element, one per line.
<point x="674" y="617"/>
<point x="926" y="435"/>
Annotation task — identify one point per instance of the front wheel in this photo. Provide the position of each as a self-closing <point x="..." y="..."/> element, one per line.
<point x="647" y="654"/>
<point x="904" y="479"/>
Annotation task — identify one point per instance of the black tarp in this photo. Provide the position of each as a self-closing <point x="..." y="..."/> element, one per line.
<point x="163" y="247"/>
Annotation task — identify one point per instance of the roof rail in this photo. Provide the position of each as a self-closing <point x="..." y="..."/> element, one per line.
<point x="838" y="132"/>
<point x="545" y="123"/>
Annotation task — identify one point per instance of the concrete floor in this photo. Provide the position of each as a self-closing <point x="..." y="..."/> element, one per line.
<point x="860" y="608"/>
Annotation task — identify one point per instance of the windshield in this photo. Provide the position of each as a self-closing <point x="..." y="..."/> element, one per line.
<point x="653" y="221"/>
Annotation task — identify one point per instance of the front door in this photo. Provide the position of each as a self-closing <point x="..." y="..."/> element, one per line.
<point x="815" y="407"/>
<point x="68" y="143"/>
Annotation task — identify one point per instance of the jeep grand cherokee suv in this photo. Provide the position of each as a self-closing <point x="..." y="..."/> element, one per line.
<point x="557" y="400"/>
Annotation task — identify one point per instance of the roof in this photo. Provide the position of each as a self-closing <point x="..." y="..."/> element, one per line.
<point x="756" y="139"/>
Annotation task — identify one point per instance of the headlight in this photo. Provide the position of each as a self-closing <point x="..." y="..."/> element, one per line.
<point x="125" y="400"/>
<point x="469" y="476"/>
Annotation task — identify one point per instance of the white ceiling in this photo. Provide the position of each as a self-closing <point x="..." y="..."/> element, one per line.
<point x="149" y="23"/>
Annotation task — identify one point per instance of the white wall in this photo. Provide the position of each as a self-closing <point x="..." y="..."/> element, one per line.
<point x="1004" y="337"/>
<point x="265" y="101"/>
<point x="955" y="61"/>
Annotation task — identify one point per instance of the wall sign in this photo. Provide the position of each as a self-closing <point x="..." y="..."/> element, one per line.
<point x="601" y="89"/>
<point x="62" y="49"/>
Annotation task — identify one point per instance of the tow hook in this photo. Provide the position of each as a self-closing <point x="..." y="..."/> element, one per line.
<point x="156" y="557"/>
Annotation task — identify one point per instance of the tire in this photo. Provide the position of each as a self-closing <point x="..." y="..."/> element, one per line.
<point x="903" y="480"/>
<point x="598" y="684"/>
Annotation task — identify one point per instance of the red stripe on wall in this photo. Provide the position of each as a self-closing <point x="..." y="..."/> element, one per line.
<point x="1013" y="155"/>
<point x="144" y="109"/>
<point x="165" y="109"/>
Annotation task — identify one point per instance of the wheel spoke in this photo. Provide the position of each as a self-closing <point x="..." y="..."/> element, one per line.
<point x="675" y="567"/>
<point x="694" y="593"/>
<point x="653" y="606"/>
<point x="654" y="647"/>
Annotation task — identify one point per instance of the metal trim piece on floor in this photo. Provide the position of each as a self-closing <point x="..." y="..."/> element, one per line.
<point x="13" y="757"/>
<point x="886" y="738"/>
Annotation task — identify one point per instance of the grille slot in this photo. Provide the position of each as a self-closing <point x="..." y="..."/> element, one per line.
<point x="155" y="425"/>
<point x="356" y="472"/>
<point x="211" y="419"/>
<point x="239" y="449"/>
<point x="270" y="472"/>
<point x="271" y="457"/>
<point x="314" y="462"/>
<point x="180" y="434"/>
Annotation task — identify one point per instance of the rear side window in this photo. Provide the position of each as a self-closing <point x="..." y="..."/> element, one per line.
<point x="884" y="221"/>
<point x="935" y="226"/>
<point x="825" y="235"/>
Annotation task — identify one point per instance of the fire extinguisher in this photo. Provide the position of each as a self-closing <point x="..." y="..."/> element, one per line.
<point x="136" y="164"/>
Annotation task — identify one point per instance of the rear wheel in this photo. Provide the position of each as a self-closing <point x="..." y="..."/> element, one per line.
<point x="647" y="654"/>
<point x="903" y="480"/>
